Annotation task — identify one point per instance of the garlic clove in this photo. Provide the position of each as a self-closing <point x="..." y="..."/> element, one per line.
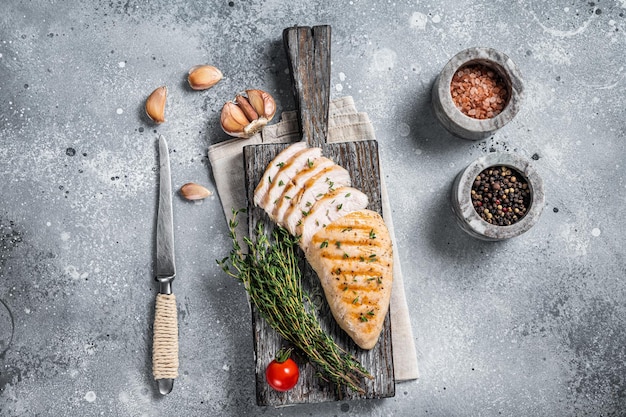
<point x="248" y="114"/>
<point x="262" y="102"/>
<point x="233" y="120"/>
<point x="155" y="105"/>
<point x="193" y="191"/>
<point x="202" y="77"/>
<point x="246" y="107"/>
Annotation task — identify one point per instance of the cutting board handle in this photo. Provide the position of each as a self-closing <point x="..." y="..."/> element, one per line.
<point x="308" y="53"/>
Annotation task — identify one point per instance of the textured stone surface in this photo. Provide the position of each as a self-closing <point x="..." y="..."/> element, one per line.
<point x="455" y="121"/>
<point x="461" y="199"/>
<point x="534" y="325"/>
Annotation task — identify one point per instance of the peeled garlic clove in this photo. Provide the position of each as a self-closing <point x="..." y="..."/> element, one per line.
<point x="248" y="114"/>
<point x="202" y="77"/>
<point x="262" y="102"/>
<point x="155" y="105"/>
<point x="233" y="120"/>
<point x="193" y="191"/>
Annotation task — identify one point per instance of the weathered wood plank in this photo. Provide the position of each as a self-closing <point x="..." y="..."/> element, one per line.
<point x="308" y="53"/>
<point x="308" y="49"/>
<point x="362" y="163"/>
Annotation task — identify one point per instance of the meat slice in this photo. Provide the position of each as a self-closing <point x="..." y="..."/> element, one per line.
<point x="314" y="188"/>
<point x="327" y="209"/>
<point x="352" y="257"/>
<point x="301" y="160"/>
<point x="270" y="172"/>
<point x="295" y="185"/>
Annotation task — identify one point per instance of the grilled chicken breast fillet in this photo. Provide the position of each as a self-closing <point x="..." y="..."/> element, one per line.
<point x="288" y="169"/>
<point x="330" y="207"/>
<point x="353" y="258"/>
<point x="348" y="247"/>
<point x="294" y="186"/>
<point x="316" y="187"/>
<point x="270" y="172"/>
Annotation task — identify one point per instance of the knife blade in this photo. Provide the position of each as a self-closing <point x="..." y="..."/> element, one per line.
<point x="165" y="261"/>
<point x="165" y="337"/>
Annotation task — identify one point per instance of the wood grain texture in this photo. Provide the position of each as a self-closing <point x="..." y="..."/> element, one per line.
<point x="304" y="48"/>
<point x="308" y="53"/>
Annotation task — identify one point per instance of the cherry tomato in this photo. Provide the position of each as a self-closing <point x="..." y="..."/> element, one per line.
<point x="282" y="373"/>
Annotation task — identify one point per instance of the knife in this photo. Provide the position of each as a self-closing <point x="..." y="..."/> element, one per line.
<point x="165" y="338"/>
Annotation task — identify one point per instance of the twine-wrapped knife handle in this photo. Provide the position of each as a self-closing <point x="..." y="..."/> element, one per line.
<point x="165" y="339"/>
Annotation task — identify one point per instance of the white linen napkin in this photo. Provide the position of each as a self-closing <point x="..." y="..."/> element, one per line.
<point x="345" y="124"/>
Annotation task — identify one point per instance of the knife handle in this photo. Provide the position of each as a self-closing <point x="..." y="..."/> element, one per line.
<point x="165" y="339"/>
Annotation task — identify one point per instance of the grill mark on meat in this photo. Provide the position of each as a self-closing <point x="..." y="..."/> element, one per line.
<point x="297" y="183"/>
<point x="314" y="189"/>
<point x="262" y="188"/>
<point x="327" y="209"/>
<point x="285" y="174"/>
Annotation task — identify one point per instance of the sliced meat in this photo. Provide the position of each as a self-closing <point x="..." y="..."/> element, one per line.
<point x="296" y="184"/>
<point x="352" y="257"/>
<point x="270" y="172"/>
<point x="325" y="181"/>
<point x="327" y="209"/>
<point x="300" y="160"/>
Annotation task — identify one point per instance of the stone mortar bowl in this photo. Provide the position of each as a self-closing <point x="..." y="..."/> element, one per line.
<point x="452" y="118"/>
<point x="467" y="217"/>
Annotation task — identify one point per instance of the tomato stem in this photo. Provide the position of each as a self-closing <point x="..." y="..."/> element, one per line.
<point x="283" y="354"/>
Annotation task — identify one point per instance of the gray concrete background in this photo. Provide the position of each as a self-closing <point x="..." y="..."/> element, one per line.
<point x="531" y="326"/>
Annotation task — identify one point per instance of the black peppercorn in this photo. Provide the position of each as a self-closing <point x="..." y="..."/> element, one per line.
<point x="500" y="196"/>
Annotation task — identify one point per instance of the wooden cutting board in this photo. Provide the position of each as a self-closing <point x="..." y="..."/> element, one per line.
<point x="308" y="52"/>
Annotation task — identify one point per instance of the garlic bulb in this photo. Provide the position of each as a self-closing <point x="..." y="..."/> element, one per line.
<point x="247" y="114"/>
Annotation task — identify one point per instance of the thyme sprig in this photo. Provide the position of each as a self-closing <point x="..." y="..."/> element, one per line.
<point x="272" y="278"/>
